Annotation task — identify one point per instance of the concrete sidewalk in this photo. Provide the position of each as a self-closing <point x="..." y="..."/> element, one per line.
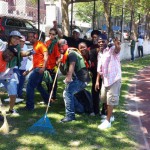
<point x="138" y="108"/>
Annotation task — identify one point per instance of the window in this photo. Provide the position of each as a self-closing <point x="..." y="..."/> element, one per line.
<point x="28" y="25"/>
<point x="13" y="22"/>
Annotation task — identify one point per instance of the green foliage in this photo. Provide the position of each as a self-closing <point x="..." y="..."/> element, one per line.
<point x="84" y="11"/>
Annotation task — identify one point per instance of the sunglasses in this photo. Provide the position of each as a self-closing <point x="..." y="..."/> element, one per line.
<point x="51" y="34"/>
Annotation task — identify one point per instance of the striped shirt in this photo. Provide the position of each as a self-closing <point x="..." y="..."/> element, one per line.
<point x="109" y="66"/>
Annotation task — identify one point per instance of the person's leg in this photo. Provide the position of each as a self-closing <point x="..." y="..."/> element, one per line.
<point x="139" y="51"/>
<point x="44" y="94"/>
<point x="103" y="98"/>
<point x="68" y="94"/>
<point x="95" y="94"/>
<point x="21" y="83"/>
<point x="113" y="97"/>
<point x="113" y="93"/>
<point x="11" y="86"/>
<point x="132" y="54"/>
<point x="79" y="108"/>
<point x="33" y="81"/>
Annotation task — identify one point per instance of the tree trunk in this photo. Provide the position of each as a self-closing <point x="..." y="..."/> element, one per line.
<point x="65" y="17"/>
<point x="107" y="17"/>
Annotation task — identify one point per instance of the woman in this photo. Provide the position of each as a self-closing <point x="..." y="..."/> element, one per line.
<point x="53" y="55"/>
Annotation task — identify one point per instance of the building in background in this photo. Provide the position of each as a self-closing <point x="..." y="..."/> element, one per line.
<point x="23" y="8"/>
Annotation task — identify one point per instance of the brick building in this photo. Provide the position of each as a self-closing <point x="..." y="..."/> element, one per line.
<point x="23" y="8"/>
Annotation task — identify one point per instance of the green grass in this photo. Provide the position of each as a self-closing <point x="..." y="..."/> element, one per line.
<point x="82" y="134"/>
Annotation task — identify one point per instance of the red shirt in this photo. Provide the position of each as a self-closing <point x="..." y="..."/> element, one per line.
<point x="3" y="63"/>
<point x="38" y="57"/>
<point x="52" y="58"/>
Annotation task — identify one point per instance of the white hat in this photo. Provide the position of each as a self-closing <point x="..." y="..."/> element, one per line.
<point x="23" y="38"/>
<point x="76" y="30"/>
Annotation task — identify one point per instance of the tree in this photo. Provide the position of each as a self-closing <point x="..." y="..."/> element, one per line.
<point x="65" y="16"/>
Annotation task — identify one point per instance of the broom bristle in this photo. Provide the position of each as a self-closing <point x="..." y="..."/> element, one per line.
<point x="5" y="127"/>
<point x="42" y="126"/>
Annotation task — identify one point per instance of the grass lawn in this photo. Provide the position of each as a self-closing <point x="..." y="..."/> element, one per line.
<point x="82" y="134"/>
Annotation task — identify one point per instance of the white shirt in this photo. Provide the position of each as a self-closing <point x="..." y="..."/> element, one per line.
<point x="140" y="42"/>
<point x="24" y="61"/>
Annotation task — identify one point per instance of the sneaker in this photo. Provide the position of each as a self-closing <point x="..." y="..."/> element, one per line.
<point x="112" y="118"/>
<point x="24" y="89"/>
<point x="105" y="125"/>
<point x="66" y="119"/>
<point x="12" y="112"/>
<point x="92" y="114"/>
<point x="103" y="116"/>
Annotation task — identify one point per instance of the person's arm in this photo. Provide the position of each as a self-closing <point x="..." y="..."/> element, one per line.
<point x="60" y="35"/>
<point x="26" y="53"/>
<point x="97" y="86"/>
<point x="117" y="46"/>
<point x="70" y="72"/>
<point x="45" y="62"/>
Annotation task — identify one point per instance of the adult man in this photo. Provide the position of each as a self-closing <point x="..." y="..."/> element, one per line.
<point x="140" y="46"/>
<point x="93" y="53"/>
<point x="132" y="48"/>
<point x="7" y="75"/>
<point x="53" y="55"/>
<point x="40" y="58"/>
<point x="76" y="79"/>
<point x="74" y="40"/>
<point x="109" y="70"/>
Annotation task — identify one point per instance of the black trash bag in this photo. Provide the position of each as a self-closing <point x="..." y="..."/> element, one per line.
<point x="85" y="98"/>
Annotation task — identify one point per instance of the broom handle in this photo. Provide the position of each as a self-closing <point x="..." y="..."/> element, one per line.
<point x="52" y="89"/>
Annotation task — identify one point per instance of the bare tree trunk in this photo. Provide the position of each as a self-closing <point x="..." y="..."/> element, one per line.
<point x="107" y="17"/>
<point x="65" y="17"/>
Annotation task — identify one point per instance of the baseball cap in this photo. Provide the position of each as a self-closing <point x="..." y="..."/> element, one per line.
<point x="15" y="33"/>
<point x="23" y="38"/>
<point x="76" y="30"/>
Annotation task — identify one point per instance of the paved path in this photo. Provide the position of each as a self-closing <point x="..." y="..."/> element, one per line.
<point x="138" y="108"/>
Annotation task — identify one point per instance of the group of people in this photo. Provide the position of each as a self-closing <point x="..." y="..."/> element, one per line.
<point x="139" y="46"/>
<point x="77" y="57"/>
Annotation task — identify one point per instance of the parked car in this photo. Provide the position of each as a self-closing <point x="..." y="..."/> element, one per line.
<point x="9" y="23"/>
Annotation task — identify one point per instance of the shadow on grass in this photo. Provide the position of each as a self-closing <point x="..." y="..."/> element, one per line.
<point x="81" y="134"/>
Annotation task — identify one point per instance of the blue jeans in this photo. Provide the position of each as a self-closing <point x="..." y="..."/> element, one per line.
<point x="72" y="105"/>
<point x="132" y="53"/>
<point x="21" y="80"/>
<point x="34" y="81"/>
<point x="10" y="85"/>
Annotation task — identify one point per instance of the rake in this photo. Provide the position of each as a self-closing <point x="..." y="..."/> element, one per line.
<point x="44" y="125"/>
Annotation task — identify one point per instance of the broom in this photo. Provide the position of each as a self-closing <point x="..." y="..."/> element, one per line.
<point x="5" y="127"/>
<point x="44" y="125"/>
